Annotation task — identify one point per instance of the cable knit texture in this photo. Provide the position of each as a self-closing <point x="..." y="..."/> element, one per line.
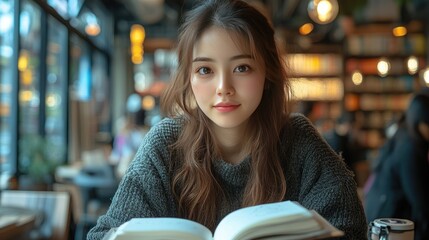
<point x="316" y="177"/>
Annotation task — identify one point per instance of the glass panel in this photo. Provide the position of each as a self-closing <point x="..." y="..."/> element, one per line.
<point x="29" y="75"/>
<point x="89" y="119"/>
<point x="96" y="23"/>
<point x="105" y="38"/>
<point x="74" y="7"/>
<point x="80" y="71"/>
<point x="56" y="88"/>
<point x="81" y="127"/>
<point x="101" y="91"/>
<point x="60" y="6"/>
<point x="7" y="164"/>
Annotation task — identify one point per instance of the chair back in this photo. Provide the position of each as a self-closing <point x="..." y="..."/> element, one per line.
<point x="54" y="207"/>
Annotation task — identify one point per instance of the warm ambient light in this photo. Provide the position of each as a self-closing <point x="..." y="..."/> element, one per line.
<point x="412" y="65"/>
<point x="399" y="31"/>
<point x="148" y="102"/>
<point x="357" y="78"/>
<point x="23" y="60"/>
<point x="93" y="29"/>
<point x="323" y="11"/>
<point x="25" y="96"/>
<point x="383" y="67"/>
<point x="137" y="34"/>
<point x="426" y="76"/>
<point x="137" y="37"/>
<point x="53" y="100"/>
<point x="306" y="29"/>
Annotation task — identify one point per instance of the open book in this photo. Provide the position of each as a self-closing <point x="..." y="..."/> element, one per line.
<point x="285" y="220"/>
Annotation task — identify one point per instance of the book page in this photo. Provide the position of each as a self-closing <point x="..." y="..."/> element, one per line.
<point x="327" y="231"/>
<point x="292" y="230"/>
<point x="331" y="230"/>
<point x="162" y="228"/>
<point x="279" y="213"/>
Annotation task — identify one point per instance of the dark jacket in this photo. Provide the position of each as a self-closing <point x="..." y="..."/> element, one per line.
<point x="401" y="171"/>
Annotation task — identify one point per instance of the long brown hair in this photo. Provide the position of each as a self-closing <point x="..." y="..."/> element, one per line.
<point x="194" y="183"/>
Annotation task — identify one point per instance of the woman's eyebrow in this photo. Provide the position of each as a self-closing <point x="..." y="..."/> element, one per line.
<point x="241" y="56"/>
<point x="203" y="59"/>
<point x="206" y="59"/>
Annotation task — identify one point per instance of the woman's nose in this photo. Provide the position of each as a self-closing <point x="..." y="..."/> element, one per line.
<point x="224" y="86"/>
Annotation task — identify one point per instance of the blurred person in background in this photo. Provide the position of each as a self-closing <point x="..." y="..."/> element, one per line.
<point x="131" y="130"/>
<point x="398" y="187"/>
<point x="343" y="141"/>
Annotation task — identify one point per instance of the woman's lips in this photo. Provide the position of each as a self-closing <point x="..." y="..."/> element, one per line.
<point x="226" y="107"/>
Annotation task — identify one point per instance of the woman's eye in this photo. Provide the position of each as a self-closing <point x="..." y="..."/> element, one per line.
<point x="204" y="70"/>
<point x="242" y="68"/>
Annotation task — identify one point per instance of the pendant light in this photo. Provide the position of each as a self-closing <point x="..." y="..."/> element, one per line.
<point x="323" y="11"/>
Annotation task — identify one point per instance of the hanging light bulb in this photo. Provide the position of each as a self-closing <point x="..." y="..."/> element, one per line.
<point x="323" y="11"/>
<point x="412" y="65"/>
<point x="383" y="67"/>
<point x="399" y="31"/>
<point x="306" y="29"/>
<point x="425" y="77"/>
<point x="137" y="37"/>
<point x="357" y="78"/>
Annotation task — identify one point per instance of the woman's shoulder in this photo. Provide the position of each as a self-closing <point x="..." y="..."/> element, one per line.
<point x="299" y="124"/>
<point x="155" y="146"/>
<point x="161" y="135"/>
<point x="166" y="129"/>
<point x="295" y="127"/>
<point x="304" y="141"/>
<point x="298" y="119"/>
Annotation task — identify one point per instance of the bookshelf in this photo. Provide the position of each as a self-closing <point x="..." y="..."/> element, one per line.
<point x="316" y="79"/>
<point x="380" y="75"/>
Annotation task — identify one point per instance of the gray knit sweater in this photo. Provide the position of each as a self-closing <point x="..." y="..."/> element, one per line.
<point x="316" y="177"/>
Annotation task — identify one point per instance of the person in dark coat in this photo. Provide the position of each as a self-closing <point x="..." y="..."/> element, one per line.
<point x="341" y="138"/>
<point x="401" y="173"/>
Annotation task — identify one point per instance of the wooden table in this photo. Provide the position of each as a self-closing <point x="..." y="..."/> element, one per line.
<point x="16" y="222"/>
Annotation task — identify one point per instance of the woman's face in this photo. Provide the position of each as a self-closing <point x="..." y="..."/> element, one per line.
<point x="226" y="81"/>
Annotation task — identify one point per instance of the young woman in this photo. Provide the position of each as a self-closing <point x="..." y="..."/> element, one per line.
<point x="229" y="140"/>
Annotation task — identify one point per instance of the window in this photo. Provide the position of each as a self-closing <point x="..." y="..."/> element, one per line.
<point x="29" y="64"/>
<point x="56" y="86"/>
<point x="7" y="86"/>
<point x="100" y="86"/>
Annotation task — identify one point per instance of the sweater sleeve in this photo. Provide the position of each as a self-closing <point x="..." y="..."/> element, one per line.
<point x="144" y="191"/>
<point x="326" y="185"/>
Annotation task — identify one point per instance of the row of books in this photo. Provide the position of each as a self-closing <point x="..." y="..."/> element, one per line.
<point x="372" y="139"/>
<point x="315" y="64"/>
<point x="381" y="44"/>
<point x="367" y="66"/>
<point x="317" y="89"/>
<point x="376" y="119"/>
<point x="382" y="85"/>
<point x="376" y="102"/>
